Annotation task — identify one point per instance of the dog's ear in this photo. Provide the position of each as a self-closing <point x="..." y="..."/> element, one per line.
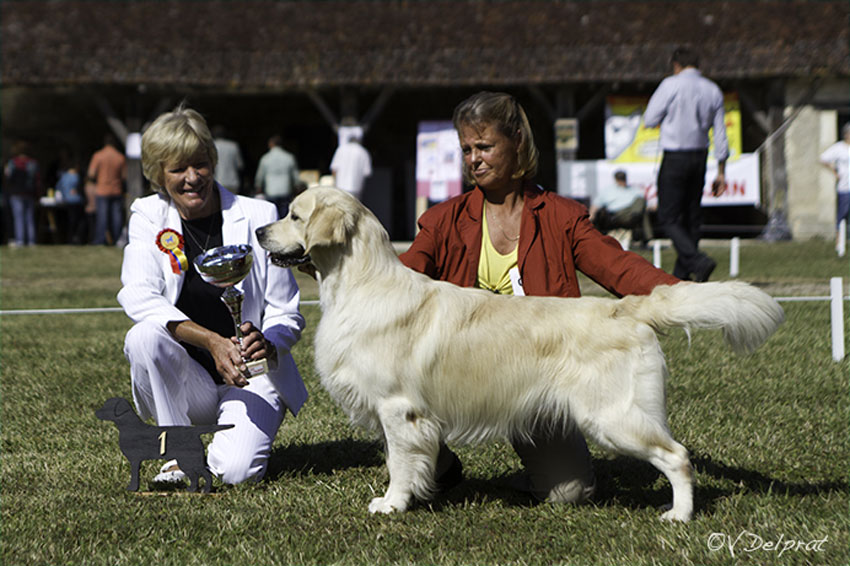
<point x="329" y="225"/>
<point x="121" y="407"/>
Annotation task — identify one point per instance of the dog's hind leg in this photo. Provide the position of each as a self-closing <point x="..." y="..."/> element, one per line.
<point x="635" y="423"/>
<point x="674" y="464"/>
<point x="638" y="434"/>
<point x="205" y="473"/>
<point x="194" y="481"/>
<point x="412" y="445"/>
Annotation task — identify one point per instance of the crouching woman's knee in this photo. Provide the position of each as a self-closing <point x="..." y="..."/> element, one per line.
<point x="144" y="339"/>
<point x="232" y="469"/>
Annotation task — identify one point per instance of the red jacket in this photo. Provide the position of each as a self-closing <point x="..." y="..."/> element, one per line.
<point x="556" y="239"/>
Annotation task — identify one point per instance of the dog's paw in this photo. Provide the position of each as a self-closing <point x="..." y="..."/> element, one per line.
<point x="383" y="505"/>
<point x="674" y="515"/>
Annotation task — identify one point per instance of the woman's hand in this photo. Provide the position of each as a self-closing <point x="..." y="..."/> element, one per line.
<point x="255" y="346"/>
<point x="228" y="360"/>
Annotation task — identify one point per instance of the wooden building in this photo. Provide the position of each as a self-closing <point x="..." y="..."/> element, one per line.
<point x="74" y="69"/>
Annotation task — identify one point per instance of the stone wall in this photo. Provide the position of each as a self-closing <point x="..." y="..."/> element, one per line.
<point x="811" y="187"/>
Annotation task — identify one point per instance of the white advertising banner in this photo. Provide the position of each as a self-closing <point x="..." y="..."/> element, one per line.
<point x="438" y="162"/>
<point x="582" y="179"/>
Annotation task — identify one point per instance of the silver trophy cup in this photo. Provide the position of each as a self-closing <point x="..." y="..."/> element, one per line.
<point x="225" y="266"/>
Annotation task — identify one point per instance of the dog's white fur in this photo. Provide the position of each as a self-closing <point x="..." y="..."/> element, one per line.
<point x="425" y="361"/>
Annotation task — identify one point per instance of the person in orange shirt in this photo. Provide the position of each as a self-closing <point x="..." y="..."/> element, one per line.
<point x="107" y="172"/>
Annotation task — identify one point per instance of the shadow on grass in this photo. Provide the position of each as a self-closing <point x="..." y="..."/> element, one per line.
<point x="477" y="490"/>
<point x="627" y="482"/>
<point x="635" y="484"/>
<point x="760" y="483"/>
<point x="621" y="481"/>
<point x="324" y="457"/>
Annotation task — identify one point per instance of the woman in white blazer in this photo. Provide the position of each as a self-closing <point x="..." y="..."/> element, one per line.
<point x="186" y="367"/>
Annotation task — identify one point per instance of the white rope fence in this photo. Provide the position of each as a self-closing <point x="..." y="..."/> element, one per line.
<point x="87" y="310"/>
<point x="836" y="299"/>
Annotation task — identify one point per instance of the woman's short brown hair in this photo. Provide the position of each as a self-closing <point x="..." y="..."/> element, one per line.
<point x="175" y="136"/>
<point x="503" y="111"/>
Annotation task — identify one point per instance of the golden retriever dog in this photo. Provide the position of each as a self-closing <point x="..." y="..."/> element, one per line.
<point x="418" y="360"/>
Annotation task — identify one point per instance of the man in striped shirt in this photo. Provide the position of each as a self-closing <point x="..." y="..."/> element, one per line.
<point x="686" y="106"/>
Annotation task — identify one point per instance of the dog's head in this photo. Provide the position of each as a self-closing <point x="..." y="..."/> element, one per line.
<point x="114" y="409"/>
<point x="319" y="217"/>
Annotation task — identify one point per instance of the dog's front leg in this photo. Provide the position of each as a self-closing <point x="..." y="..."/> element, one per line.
<point x="413" y="442"/>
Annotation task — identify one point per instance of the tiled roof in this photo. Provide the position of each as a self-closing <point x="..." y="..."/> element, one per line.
<point x="294" y="44"/>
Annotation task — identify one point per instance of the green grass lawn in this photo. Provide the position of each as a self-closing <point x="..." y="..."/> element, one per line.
<point x="767" y="434"/>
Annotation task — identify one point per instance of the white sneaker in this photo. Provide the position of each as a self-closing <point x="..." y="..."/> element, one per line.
<point x="170" y="473"/>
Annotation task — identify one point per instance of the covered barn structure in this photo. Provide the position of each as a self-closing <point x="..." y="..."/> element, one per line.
<point x="74" y="69"/>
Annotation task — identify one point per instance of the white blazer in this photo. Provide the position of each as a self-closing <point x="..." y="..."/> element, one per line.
<point x="151" y="288"/>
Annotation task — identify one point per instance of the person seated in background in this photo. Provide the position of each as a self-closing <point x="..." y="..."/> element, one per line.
<point x="621" y="206"/>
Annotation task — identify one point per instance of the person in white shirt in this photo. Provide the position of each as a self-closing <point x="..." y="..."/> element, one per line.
<point x="621" y="206"/>
<point x="836" y="158"/>
<point x="186" y="365"/>
<point x="686" y="106"/>
<point x="351" y="165"/>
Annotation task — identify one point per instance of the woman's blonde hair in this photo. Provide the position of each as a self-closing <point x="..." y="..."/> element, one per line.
<point x="173" y="137"/>
<point x="503" y="111"/>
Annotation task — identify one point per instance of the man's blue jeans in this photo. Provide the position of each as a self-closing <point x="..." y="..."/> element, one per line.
<point x="110" y="214"/>
<point x="23" y="213"/>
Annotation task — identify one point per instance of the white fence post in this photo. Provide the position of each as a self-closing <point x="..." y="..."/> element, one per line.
<point x="656" y="253"/>
<point x="836" y="292"/>
<point x="734" y="256"/>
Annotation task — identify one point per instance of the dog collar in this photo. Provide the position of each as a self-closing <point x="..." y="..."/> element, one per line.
<point x="171" y="242"/>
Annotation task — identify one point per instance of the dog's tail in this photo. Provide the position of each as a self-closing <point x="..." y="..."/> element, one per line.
<point x="747" y="315"/>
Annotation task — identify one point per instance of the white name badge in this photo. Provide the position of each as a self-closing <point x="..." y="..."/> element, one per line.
<point x="516" y="282"/>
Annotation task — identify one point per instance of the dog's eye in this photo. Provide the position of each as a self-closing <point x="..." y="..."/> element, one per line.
<point x="293" y="217"/>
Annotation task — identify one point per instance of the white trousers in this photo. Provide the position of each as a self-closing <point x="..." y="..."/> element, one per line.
<point x="174" y="389"/>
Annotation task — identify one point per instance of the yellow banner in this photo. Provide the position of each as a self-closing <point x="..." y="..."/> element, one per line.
<point x="628" y="141"/>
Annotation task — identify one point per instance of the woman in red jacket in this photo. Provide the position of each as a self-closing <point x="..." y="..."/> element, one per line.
<point x="510" y="237"/>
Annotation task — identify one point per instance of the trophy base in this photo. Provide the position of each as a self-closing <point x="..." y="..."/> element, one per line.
<point x="257" y="368"/>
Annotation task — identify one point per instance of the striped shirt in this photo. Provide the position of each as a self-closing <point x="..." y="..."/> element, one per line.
<point x="687" y="106"/>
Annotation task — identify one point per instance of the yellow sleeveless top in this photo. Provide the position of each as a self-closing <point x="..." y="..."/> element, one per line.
<point x="493" y="267"/>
